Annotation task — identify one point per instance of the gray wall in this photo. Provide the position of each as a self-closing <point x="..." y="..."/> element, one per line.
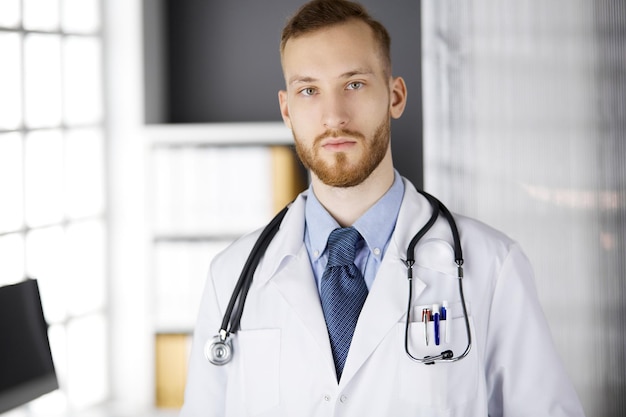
<point x="218" y="61"/>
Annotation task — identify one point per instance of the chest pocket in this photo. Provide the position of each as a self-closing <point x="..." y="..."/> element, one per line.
<point x="444" y="384"/>
<point x="260" y="357"/>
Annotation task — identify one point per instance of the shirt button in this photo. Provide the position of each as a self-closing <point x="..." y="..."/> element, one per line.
<point x="343" y="399"/>
<point x="316" y="253"/>
<point x="326" y="397"/>
<point x="377" y="251"/>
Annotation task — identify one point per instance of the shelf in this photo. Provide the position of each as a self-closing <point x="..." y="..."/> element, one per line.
<point x="182" y="237"/>
<point x="218" y="134"/>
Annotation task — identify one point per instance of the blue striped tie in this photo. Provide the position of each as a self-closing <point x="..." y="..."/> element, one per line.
<point x="343" y="292"/>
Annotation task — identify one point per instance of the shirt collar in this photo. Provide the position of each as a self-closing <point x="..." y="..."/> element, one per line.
<point x="376" y="225"/>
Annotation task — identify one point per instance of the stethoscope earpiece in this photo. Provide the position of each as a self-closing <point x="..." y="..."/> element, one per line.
<point x="218" y="351"/>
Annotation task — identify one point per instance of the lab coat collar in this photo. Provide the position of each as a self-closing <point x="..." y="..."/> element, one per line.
<point x="414" y="213"/>
<point x="287" y="243"/>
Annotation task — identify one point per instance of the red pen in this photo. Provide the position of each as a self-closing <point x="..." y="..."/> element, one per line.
<point x="426" y="318"/>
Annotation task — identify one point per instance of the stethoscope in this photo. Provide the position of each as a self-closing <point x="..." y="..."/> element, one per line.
<point x="219" y="349"/>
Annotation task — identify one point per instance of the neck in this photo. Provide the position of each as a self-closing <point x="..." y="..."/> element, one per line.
<point x="347" y="204"/>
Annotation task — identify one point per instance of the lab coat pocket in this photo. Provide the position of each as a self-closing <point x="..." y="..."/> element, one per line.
<point x="442" y="385"/>
<point x="260" y="355"/>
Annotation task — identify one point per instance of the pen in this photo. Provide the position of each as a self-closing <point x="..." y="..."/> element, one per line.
<point x="445" y="311"/>
<point x="436" y="318"/>
<point x="426" y="319"/>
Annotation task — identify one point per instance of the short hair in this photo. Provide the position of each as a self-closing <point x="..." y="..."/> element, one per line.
<point x="319" y="14"/>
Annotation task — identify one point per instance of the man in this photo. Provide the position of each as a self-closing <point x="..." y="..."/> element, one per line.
<point x="293" y="356"/>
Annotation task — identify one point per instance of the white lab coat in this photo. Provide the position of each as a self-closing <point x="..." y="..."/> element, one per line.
<point x="283" y="365"/>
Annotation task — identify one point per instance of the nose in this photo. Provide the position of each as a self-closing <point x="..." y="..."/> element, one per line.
<point x="335" y="114"/>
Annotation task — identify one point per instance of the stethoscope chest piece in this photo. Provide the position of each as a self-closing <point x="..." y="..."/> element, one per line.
<point x="218" y="351"/>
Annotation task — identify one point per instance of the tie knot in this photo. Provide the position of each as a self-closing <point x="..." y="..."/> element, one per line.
<point x="342" y="246"/>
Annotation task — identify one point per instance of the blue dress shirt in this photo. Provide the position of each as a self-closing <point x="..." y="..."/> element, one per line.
<point x="376" y="226"/>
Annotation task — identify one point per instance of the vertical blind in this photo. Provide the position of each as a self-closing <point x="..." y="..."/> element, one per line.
<point x="524" y="128"/>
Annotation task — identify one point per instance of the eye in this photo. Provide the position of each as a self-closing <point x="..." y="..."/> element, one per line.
<point x="355" y="85"/>
<point x="309" y="91"/>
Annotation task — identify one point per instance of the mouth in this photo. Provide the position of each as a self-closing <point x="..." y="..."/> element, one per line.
<point x="338" y="143"/>
<point x="339" y="140"/>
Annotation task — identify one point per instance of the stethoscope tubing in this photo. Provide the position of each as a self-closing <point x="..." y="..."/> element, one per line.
<point x="437" y="208"/>
<point x="234" y="310"/>
<point x="232" y="315"/>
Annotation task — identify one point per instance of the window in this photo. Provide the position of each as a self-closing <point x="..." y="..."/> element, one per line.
<point x="52" y="155"/>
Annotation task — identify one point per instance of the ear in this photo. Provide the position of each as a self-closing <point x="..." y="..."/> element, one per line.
<point x="284" y="107"/>
<point x="398" y="97"/>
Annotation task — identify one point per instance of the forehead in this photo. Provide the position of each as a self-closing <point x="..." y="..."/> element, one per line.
<point x="335" y="49"/>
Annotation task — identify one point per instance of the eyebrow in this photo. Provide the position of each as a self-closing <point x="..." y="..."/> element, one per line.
<point x="298" y="79"/>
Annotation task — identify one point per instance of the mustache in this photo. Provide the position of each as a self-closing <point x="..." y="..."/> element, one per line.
<point x="335" y="133"/>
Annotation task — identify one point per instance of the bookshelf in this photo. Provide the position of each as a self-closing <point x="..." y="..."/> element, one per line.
<point x="209" y="184"/>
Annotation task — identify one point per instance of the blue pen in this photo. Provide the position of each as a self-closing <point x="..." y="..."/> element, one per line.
<point x="444" y="317"/>
<point x="436" y="318"/>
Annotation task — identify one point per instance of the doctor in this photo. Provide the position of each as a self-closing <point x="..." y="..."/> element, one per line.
<point x="339" y="99"/>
